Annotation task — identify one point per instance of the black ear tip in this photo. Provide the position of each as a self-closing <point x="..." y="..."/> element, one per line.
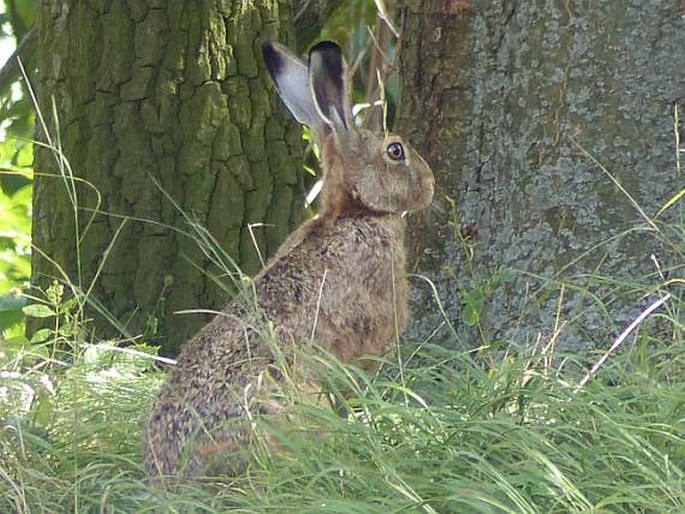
<point x="326" y="47"/>
<point x="268" y="49"/>
<point x="272" y="58"/>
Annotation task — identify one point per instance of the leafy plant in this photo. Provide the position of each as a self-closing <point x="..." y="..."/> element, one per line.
<point x="15" y="255"/>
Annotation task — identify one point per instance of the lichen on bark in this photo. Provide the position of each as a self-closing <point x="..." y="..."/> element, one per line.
<point x="505" y="98"/>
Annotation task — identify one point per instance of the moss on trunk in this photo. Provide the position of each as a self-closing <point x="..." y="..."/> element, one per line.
<point x="161" y="103"/>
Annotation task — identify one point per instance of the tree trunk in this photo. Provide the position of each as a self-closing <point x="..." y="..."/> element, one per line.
<point x="165" y="114"/>
<point x="508" y="100"/>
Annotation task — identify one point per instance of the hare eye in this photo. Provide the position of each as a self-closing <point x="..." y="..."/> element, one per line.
<point x="395" y="151"/>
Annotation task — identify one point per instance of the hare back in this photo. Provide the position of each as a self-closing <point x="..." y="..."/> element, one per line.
<point x="342" y="283"/>
<point x="198" y="420"/>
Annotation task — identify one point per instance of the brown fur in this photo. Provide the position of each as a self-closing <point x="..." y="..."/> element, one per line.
<point x="339" y="277"/>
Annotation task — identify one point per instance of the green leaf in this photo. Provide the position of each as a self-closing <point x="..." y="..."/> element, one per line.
<point x="66" y="330"/>
<point x="41" y="336"/>
<point x="68" y="305"/>
<point x="469" y="316"/>
<point x="474" y="300"/>
<point x="501" y="277"/>
<point x="38" y="310"/>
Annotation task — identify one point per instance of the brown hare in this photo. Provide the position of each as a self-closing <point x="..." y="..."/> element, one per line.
<point x="339" y="279"/>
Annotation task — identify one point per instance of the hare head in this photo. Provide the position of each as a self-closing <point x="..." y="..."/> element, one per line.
<point x="365" y="172"/>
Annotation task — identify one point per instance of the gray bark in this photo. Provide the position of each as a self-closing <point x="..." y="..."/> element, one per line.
<point x="505" y="98"/>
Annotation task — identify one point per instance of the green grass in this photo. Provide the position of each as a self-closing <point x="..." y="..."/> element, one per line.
<point x="456" y="437"/>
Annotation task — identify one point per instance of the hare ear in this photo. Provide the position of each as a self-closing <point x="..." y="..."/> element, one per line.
<point x="291" y="78"/>
<point x="329" y="85"/>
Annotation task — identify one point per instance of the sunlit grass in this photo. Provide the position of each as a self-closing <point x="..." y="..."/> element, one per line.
<point x="459" y="438"/>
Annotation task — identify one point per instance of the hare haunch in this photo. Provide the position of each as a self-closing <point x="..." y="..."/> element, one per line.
<point x="339" y="278"/>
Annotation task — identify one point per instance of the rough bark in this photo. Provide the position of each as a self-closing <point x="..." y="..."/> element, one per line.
<point x="503" y="97"/>
<point x="171" y="94"/>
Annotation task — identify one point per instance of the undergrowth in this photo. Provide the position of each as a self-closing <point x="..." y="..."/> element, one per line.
<point x="456" y="437"/>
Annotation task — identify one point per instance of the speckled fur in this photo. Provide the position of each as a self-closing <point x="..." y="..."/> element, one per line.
<point x="340" y="277"/>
